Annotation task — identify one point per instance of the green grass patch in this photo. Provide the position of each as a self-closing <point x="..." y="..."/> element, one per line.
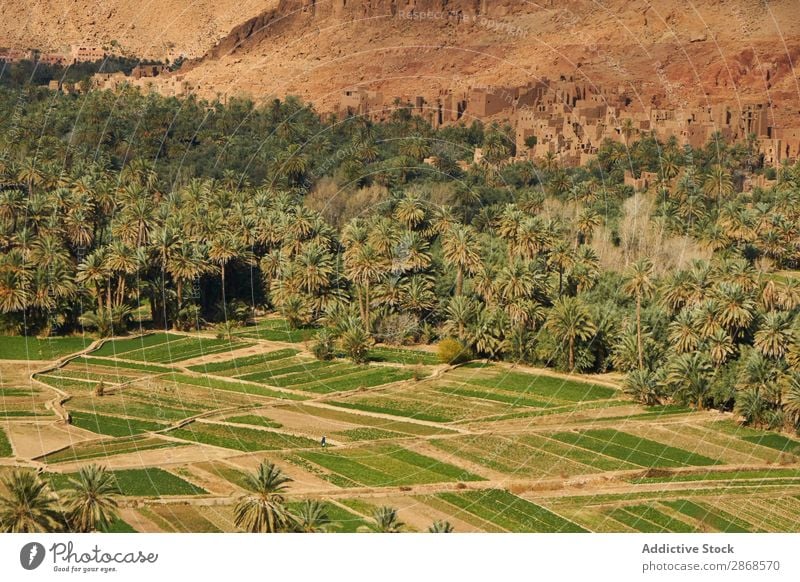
<point x="122" y="365"/>
<point x="233" y="386"/>
<point x="547" y="386"/>
<point x="113" y="425"/>
<point x="717" y="519"/>
<point x="497" y="396"/>
<point x="119" y="526"/>
<point x="270" y="374"/>
<point x="510" y="512"/>
<point x="757" y="475"/>
<point x="365" y="379"/>
<point x="5" y="445"/>
<point x="775" y="441"/>
<point x="108" y="448"/>
<point x="18" y="347"/>
<point x="392" y="408"/>
<point x="402" y="356"/>
<point x="660" y="519"/>
<point x="383" y="466"/>
<point x="240" y="438"/>
<point x="277" y="330"/>
<point x="118" y="347"/>
<point x="255" y="420"/>
<point x="633" y="449"/>
<point x="149" y="482"/>
<point x="370" y="434"/>
<point x="244" y="362"/>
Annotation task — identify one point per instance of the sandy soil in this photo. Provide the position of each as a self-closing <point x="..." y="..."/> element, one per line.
<point x="33" y="439"/>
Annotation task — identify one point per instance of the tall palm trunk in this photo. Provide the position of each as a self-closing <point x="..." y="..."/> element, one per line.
<point x="459" y="281"/>
<point x="639" y="329"/>
<point x="571" y="353"/>
<point x="367" y="325"/>
<point x="222" y="282"/>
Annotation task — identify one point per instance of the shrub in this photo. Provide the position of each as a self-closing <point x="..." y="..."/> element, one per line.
<point x="397" y="329"/>
<point x="188" y="318"/>
<point x="452" y="351"/>
<point x="324" y="348"/>
<point x="225" y="329"/>
<point x="355" y="343"/>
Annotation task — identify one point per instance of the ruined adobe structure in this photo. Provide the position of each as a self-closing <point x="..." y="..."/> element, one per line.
<point x="570" y="119"/>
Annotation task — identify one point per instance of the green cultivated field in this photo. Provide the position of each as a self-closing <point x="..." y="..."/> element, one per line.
<point x="5" y="446"/>
<point x="152" y="482"/>
<point x="31" y="348"/>
<point x="490" y="447"/>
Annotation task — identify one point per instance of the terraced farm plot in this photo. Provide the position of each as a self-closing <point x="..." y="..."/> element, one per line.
<point x="531" y="456"/>
<point x="181" y="518"/>
<point x="632" y="449"/>
<point x="161" y="407"/>
<point x="116" y="347"/>
<point x="508" y="511"/>
<point x="369" y="434"/>
<point x="92" y="374"/>
<point x="710" y="519"/>
<point x="254" y="420"/>
<point x="401" y="426"/>
<point x="384" y="466"/>
<point x="236" y="365"/>
<point x="32" y="348"/>
<point x="729" y="477"/>
<point x="240" y="438"/>
<point x="151" y="482"/>
<point x="230" y="385"/>
<point x="542" y="386"/>
<point x="167" y="348"/>
<point x="403" y="356"/>
<point x="277" y="330"/>
<point x="775" y="441"/>
<point x="107" y="448"/>
<point x="120" y="365"/>
<point x="113" y="425"/>
<point x="422" y="401"/>
<point x="649" y="519"/>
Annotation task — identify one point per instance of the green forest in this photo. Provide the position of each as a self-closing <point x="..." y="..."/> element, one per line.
<point x="123" y="211"/>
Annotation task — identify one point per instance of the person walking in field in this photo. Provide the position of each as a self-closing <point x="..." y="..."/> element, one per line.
<point x="324" y="441"/>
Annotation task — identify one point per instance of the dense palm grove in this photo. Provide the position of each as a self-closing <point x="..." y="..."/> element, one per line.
<point x="119" y="211"/>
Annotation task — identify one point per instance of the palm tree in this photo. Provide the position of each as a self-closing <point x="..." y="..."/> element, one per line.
<point x="735" y="307"/>
<point x="364" y="268"/>
<point x="689" y="376"/>
<point x="441" y="527"/>
<point x="263" y="509"/>
<point x="643" y="386"/>
<point x="28" y="506"/>
<point x="355" y="341"/>
<point x="627" y="129"/>
<point x="774" y="335"/>
<point x="91" y="499"/>
<point x="569" y="320"/>
<point x="387" y="521"/>
<point x="184" y="264"/>
<point x="720" y="347"/>
<point x="312" y="517"/>
<point x="460" y="312"/>
<point x="639" y="284"/>
<point x="460" y="249"/>
<point x="718" y="183"/>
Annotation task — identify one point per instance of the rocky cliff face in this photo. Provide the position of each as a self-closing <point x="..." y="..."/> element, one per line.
<point x="302" y="13"/>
